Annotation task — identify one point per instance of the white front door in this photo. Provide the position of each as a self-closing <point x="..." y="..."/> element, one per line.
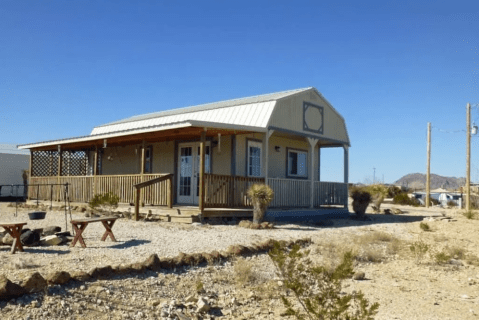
<point x="189" y="170"/>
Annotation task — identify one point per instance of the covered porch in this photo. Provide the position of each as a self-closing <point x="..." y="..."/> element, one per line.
<point x="178" y="170"/>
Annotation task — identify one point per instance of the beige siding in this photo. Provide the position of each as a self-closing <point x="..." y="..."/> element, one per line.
<point x="126" y="160"/>
<point x="121" y="160"/>
<point x="222" y="160"/>
<point x="163" y="157"/>
<point x="288" y="114"/>
<point x="277" y="159"/>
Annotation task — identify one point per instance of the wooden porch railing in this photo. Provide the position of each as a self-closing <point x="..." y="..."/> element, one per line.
<point x="167" y="178"/>
<point x="290" y="193"/>
<point x="223" y="191"/>
<point x="330" y="193"/>
<point x="83" y="188"/>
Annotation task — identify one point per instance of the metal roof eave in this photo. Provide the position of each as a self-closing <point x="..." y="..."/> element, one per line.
<point x="191" y="123"/>
<point x="103" y="136"/>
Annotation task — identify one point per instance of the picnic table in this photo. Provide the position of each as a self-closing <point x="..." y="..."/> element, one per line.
<point x="15" y="230"/>
<point x="79" y="226"/>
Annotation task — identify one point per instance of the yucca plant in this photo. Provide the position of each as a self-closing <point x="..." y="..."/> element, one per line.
<point x="261" y="195"/>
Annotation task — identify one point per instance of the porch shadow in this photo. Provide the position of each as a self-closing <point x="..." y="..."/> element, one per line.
<point x="351" y="221"/>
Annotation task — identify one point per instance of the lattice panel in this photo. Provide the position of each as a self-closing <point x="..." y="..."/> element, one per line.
<point x="74" y="163"/>
<point x="44" y="163"/>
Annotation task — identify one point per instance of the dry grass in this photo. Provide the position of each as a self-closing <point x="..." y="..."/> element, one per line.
<point x="243" y="270"/>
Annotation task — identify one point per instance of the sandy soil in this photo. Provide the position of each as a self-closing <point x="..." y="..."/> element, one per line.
<point x="405" y="286"/>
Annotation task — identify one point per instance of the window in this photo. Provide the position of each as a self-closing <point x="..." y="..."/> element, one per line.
<point x="148" y="159"/>
<point x="297" y="163"/>
<point x="254" y="159"/>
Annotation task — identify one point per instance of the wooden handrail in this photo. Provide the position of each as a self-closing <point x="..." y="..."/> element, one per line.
<point x="141" y="185"/>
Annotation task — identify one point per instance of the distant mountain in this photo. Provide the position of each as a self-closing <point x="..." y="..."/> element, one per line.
<point x="418" y="181"/>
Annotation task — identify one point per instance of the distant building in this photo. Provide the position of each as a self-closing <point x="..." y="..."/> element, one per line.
<point x="12" y="164"/>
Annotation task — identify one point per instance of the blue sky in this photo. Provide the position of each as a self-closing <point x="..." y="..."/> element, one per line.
<point x="67" y="66"/>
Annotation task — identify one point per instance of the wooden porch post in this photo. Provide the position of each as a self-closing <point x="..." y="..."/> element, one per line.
<point x="266" y="161"/>
<point x="30" y="168"/>
<point x="95" y="171"/>
<point x="346" y="174"/>
<point x="201" y="199"/>
<point x="312" y="146"/>
<point x="142" y="170"/>
<point x="59" y="173"/>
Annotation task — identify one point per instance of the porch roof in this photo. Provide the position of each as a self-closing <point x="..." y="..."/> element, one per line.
<point x="159" y="132"/>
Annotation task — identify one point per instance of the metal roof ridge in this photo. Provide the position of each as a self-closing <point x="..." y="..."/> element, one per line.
<point x="191" y="108"/>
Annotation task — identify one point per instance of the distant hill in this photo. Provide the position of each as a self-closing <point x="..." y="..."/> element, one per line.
<point x="418" y="181"/>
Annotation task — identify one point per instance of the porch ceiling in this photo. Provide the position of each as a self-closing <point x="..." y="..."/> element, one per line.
<point x="185" y="133"/>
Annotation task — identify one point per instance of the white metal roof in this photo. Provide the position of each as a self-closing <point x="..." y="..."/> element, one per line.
<point x="252" y="114"/>
<point x="251" y="111"/>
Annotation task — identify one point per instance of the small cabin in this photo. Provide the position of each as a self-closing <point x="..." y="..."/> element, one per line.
<point x="203" y="157"/>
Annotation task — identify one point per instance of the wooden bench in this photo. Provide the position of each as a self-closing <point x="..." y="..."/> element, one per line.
<point x="15" y="230"/>
<point x="80" y="225"/>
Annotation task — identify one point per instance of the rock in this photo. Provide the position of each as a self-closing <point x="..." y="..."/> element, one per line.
<point x="122" y="269"/>
<point x="7" y="239"/>
<point x="359" y="275"/>
<point x="51" y="240"/>
<point x="191" y="298"/>
<point x="29" y="238"/>
<point x="202" y="305"/>
<point x="101" y="272"/>
<point x="398" y="211"/>
<point x="58" y="277"/>
<point x="51" y="230"/>
<point x="137" y="267"/>
<point x="245" y="223"/>
<point x="80" y="276"/>
<point x="34" y="283"/>
<point x="9" y="290"/>
<point x="455" y="262"/>
<point x="387" y="211"/>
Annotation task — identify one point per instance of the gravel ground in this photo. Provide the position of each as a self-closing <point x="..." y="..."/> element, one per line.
<point x="404" y="288"/>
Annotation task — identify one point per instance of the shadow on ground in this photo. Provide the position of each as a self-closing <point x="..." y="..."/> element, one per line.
<point x="352" y="221"/>
<point x="129" y="244"/>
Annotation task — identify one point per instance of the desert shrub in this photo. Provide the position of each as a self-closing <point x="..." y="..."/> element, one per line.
<point x="433" y="202"/>
<point x="378" y="199"/>
<point x="104" y="202"/>
<point x="361" y="200"/>
<point x="377" y="189"/>
<point x="441" y="257"/>
<point x="243" y="271"/>
<point x="451" y="204"/>
<point x="424" y="226"/>
<point x="403" y="199"/>
<point x="318" y="290"/>
<point x="261" y="195"/>
<point x="469" y="214"/>
<point x="472" y="259"/>
<point x="419" y="250"/>
<point x="199" y="286"/>
<point x="393" y="191"/>
<point x="456" y="252"/>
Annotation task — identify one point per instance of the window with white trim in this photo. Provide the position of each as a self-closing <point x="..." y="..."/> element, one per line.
<point x="297" y="163"/>
<point x="254" y="158"/>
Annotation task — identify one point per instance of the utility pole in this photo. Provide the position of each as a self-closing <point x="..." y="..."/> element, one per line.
<point x="468" y="157"/>
<point x="428" y="176"/>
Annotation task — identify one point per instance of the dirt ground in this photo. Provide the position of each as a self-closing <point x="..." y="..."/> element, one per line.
<point x="441" y="281"/>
